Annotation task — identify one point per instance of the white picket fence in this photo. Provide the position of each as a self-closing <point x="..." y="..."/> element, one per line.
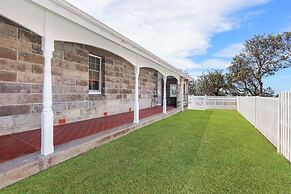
<point x="271" y="116"/>
<point x="212" y="102"/>
<point x="262" y="113"/>
<point x="284" y="131"/>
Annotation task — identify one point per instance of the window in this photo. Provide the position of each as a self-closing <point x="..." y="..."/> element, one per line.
<point x="94" y="74"/>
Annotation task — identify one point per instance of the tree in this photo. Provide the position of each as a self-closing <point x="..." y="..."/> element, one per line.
<point x="262" y="56"/>
<point x="192" y="85"/>
<point x="192" y="88"/>
<point x="268" y="92"/>
<point x="239" y="81"/>
<point x="211" y="83"/>
<point x="286" y="40"/>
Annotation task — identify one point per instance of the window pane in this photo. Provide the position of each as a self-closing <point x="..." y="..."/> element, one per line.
<point x="94" y="67"/>
<point x="90" y="75"/>
<point x="90" y="85"/>
<point x="92" y="59"/>
<point x="94" y="85"/>
<point x="97" y="76"/>
<point x="98" y="61"/>
<point x="94" y="73"/>
<point x="97" y="66"/>
<point x="91" y="66"/>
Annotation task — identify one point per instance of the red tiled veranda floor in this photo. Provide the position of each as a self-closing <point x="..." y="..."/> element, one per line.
<point x="19" y="144"/>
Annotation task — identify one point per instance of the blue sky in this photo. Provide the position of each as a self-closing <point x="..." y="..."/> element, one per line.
<point x="272" y="17"/>
<point x="195" y="35"/>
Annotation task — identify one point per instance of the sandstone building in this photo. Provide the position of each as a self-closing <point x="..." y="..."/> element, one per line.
<point x="59" y="65"/>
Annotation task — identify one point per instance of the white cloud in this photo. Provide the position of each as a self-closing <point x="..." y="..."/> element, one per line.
<point x="183" y="63"/>
<point x="195" y="74"/>
<point x="214" y="63"/>
<point x="230" y="51"/>
<point x="172" y="29"/>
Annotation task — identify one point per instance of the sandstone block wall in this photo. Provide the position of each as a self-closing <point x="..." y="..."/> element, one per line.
<point x="71" y="90"/>
<point x="21" y="68"/>
<point x="21" y="77"/>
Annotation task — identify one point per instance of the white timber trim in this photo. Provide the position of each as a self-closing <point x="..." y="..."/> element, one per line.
<point x="136" y="94"/>
<point x="182" y="93"/>
<point x="47" y="118"/>
<point x="165" y="94"/>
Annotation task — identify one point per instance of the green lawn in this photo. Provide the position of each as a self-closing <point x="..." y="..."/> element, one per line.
<point x="191" y="152"/>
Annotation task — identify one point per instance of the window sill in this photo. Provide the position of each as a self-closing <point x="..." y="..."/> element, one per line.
<point x="94" y="92"/>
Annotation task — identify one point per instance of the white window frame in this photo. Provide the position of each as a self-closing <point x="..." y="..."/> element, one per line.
<point x="100" y="73"/>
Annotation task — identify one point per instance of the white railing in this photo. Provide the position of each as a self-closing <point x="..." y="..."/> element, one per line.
<point x="212" y="102"/>
<point x="272" y="117"/>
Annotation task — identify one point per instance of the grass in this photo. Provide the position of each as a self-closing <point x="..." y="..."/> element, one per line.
<point x="191" y="152"/>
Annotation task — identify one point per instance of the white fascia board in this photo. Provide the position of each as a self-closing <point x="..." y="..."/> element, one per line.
<point x="24" y="13"/>
<point x="76" y="15"/>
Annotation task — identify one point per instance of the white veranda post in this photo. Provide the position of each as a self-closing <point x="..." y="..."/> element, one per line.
<point x="47" y="117"/>
<point x="136" y="95"/>
<point x="182" y="93"/>
<point x="165" y="95"/>
<point x="47" y="127"/>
